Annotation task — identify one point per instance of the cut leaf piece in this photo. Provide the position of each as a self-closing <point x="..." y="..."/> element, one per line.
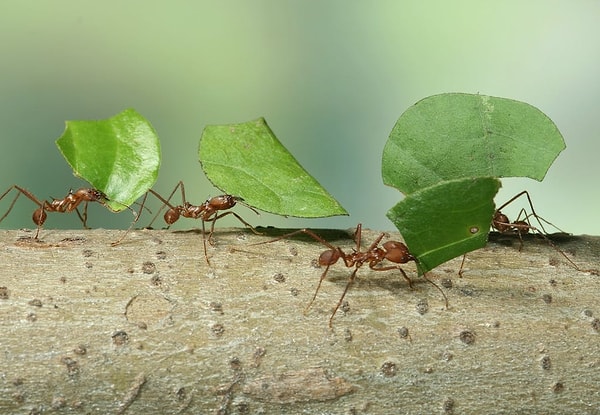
<point x="248" y="161"/>
<point x="446" y="220"/>
<point x="119" y="156"/>
<point x="449" y="136"/>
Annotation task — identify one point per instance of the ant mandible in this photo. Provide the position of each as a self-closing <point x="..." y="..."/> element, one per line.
<point x="374" y="255"/>
<point x="68" y="204"/>
<point x="206" y="212"/>
<point x="522" y="226"/>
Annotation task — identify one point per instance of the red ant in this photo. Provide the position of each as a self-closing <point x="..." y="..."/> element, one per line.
<point x="522" y="226"/>
<point x="68" y="204"/>
<point x="206" y="212"/>
<point x="502" y="223"/>
<point x="374" y="255"/>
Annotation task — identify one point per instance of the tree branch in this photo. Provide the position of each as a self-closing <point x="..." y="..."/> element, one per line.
<point x="148" y="327"/>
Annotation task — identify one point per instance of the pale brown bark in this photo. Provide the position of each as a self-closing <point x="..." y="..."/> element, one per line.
<point x="148" y="327"/>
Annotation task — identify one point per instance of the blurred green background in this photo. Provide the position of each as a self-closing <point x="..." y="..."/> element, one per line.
<point x="330" y="77"/>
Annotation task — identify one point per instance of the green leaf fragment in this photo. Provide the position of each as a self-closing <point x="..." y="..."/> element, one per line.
<point x="248" y="161"/>
<point x="446" y="220"/>
<point x="449" y="136"/>
<point x="120" y="156"/>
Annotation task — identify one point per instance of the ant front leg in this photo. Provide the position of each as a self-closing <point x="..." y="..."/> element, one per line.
<point x="337" y="306"/>
<point x="172" y="214"/>
<point x="374" y="267"/>
<point x="327" y="258"/>
<point x="462" y="265"/>
<point x="212" y="230"/>
<point x="317" y="290"/>
<point x="83" y="217"/>
<point x="135" y="219"/>
<point x="214" y="219"/>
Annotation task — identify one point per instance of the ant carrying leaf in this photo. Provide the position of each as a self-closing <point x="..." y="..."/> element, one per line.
<point x="206" y="212"/>
<point x="68" y="204"/>
<point x="522" y="226"/>
<point x="374" y="255"/>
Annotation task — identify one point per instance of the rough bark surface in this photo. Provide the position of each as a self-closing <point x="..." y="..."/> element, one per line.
<point x="148" y="327"/>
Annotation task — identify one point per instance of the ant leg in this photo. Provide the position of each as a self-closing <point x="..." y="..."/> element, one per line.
<point x="462" y="265"/>
<point x="560" y="251"/>
<point x="533" y="212"/>
<point x="436" y="286"/>
<point x="214" y="219"/>
<point x="83" y="217"/>
<point x="390" y="267"/>
<point x="166" y="202"/>
<point x="535" y="215"/>
<point x="20" y="190"/>
<point x="374" y="268"/>
<point x="212" y="230"/>
<point x="358" y="236"/>
<point x="350" y="281"/>
<point x="358" y="239"/>
<point x="12" y="203"/>
<point x="317" y="290"/>
<point x="135" y="219"/>
<point x="204" y="239"/>
<point x="39" y="215"/>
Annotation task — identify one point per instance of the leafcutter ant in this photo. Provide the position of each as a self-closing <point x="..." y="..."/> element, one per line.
<point x="374" y="255"/>
<point x="522" y="226"/>
<point x="68" y="204"/>
<point x="206" y="212"/>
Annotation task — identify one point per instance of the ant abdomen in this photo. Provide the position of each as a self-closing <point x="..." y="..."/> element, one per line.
<point x="39" y="216"/>
<point x="329" y="257"/>
<point x="171" y="216"/>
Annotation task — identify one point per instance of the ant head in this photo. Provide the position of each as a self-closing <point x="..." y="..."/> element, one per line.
<point x="397" y="252"/>
<point x="329" y="257"/>
<point x="171" y="216"/>
<point x="91" y="195"/>
<point x="39" y="216"/>
<point x="501" y="222"/>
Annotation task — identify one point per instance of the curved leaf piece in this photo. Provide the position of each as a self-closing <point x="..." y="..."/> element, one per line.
<point x="449" y="136"/>
<point x="248" y="161"/>
<point x="119" y="156"/>
<point x="446" y="220"/>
